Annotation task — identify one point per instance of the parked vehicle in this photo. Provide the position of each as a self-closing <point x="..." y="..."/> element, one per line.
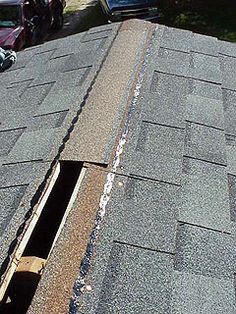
<point x="25" y="22"/>
<point x="118" y="10"/>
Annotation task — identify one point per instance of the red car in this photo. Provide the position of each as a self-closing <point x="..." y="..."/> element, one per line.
<point x="24" y="23"/>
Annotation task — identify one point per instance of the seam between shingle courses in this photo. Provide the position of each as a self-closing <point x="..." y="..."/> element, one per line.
<point x="173" y="49"/>
<point x="230" y="135"/>
<point x="42" y="52"/>
<point x="50" y="113"/>
<point x="165" y="125"/>
<point x="18" y="82"/>
<point x="207" y="126"/>
<point x="190" y="77"/>
<point x="42" y="84"/>
<point x="202" y="227"/>
<point x="210" y="162"/>
<point x="15" y="70"/>
<point x="203" y="53"/>
<point x="13" y="129"/>
<point x="143" y="247"/>
<point x="62" y="56"/>
<point x="89" y="40"/>
<point x="226" y="55"/>
<point x="80" y="68"/>
<point x="131" y="176"/>
<point x="102" y="31"/>
<point x="11" y="186"/>
<point x="22" y="162"/>
<point x="151" y="179"/>
<point x="190" y="51"/>
<point x="229" y="89"/>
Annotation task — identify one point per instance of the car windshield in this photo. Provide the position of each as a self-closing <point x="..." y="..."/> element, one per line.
<point x="10" y="15"/>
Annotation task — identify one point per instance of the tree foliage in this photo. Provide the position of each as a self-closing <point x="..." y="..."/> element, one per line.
<point x="216" y="18"/>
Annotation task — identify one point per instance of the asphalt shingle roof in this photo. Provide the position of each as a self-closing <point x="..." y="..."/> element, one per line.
<point x="167" y="241"/>
<point x="41" y="95"/>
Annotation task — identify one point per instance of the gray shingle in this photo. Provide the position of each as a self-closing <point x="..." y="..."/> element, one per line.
<point x="132" y="223"/>
<point x="205" y="197"/>
<point x="204" y="110"/>
<point x="229" y="100"/>
<point x="34" y="95"/>
<point x="200" y="295"/>
<point x="228" y="66"/>
<point x="205" y="143"/>
<point x="177" y="39"/>
<point x="204" y="252"/>
<point x="32" y="145"/>
<point x="172" y="62"/>
<point x="205" y="44"/>
<point x="206" y="68"/>
<point x="205" y="89"/>
<point x="164" y="103"/>
<point x="232" y="196"/>
<point x="22" y="173"/>
<point x="227" y="48"/>
<point x="73" y="78"/>
<point x="136" y="281"/>
<point x="60" y="100"/>
<point x="8" y="138"/>
<point x="158" y="154"/>
<point x="96" y="35"/>
<point x="40" y="59"/>
<point x="48" y="121"/>
<point x="231" y="154"/>
<point x="9" y="201"/>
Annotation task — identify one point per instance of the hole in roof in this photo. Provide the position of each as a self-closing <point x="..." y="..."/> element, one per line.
<point x="24" y="282"/>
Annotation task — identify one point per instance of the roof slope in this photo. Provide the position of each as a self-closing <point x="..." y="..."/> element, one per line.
<point x="168" y="241"/>
<point x="41" y="98"/>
